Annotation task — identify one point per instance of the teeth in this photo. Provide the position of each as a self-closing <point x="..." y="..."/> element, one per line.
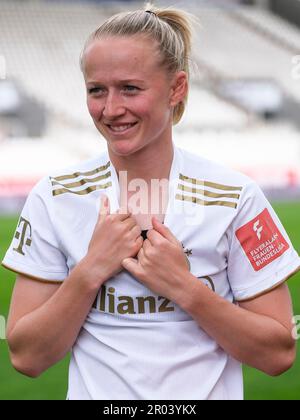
<point x="121" y="128"/>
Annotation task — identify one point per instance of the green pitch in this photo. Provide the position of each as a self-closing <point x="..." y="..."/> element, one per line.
<point x="13" y="386"/>
<point x="53" y="384"/>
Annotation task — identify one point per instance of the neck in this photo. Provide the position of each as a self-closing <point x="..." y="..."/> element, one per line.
<point x="147" y="164"/>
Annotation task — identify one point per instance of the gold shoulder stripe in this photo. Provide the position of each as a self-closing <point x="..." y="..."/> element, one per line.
<point x="271" y="288"/>
<point x="221" y="187"/>
<point x="81" y="192"/>
<point x="196" y="200"/>
<point x="83" y="181"/>
<point x="207" y="193"/>
<point x="77" y="174"/>
<point x="30" y="276"/>
<point x="209" y="184"/>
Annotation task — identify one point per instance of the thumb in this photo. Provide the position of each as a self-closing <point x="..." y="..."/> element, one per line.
<point x="164" y="231"/>
<point x="131" y="265"/>
<point x="104" y="207"/>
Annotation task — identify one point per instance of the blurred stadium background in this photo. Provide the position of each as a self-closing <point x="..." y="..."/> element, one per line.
<point x="244" y="111"/>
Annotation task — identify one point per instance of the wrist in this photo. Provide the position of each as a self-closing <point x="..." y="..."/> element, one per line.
<point x="85" y="270"/>
<point x="188" y="292"/>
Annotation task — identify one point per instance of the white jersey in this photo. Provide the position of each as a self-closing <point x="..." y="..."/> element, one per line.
<point x="135" y="344"/>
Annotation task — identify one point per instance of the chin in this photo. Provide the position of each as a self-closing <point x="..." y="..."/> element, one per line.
<point x="123" y="149"/>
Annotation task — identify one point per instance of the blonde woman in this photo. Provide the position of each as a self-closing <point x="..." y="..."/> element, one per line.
<point x="160" y="271"/>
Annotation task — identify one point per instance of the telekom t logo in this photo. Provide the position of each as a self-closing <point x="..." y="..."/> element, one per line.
<point x="258" y="229"/>
<point x="24" y="236"/>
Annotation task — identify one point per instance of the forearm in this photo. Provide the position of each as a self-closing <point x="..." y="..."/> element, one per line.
<point x="253" y="339"/>
<point x="43" y="337"/>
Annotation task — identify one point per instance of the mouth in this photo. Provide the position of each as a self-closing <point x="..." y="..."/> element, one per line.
<point x="121" y="129"/>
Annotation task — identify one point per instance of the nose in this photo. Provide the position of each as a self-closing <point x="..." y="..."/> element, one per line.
<point x="113" y="106"/>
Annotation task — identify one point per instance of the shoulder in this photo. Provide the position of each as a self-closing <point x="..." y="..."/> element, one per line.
<point x="81" y="178"/>
<point x="85" y="168"/>
<point x="208" y="171"/>
<point x="72" y="178"/>
<point x="213" y="184"/>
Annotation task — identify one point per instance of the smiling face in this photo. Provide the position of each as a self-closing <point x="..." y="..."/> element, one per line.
<point x="130" y="96"/>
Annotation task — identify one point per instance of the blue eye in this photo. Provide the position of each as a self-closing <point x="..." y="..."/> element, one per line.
<point x="94" y="90"/>
<point x="100" y="90"/>
<point x="130" y="88"/>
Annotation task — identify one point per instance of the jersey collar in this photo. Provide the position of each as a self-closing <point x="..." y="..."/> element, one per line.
<point x="114" y="191"/>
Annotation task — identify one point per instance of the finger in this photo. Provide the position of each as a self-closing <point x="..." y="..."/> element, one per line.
<point x="104" y="208"/>
<point x="164" y="231"/>
<point x="136" y="231"/>
<point x="129" y="223"/>
<point x="154" y="237"/>
<point x="123" y="214"/>
<point x="131" y="265"/>
<point x="139" y="243"/>
<point x="147" y="245"/>
<point x="140" y="255"/>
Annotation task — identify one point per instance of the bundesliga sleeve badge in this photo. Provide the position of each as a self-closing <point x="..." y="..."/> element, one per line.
<point x="261" y="240"/>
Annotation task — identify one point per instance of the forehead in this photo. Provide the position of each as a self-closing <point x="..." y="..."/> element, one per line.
<point x="121" y="58"/>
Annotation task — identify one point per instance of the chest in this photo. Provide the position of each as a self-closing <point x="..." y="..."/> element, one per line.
<point x="201" y="231"/>
<point x="151" y="201"/>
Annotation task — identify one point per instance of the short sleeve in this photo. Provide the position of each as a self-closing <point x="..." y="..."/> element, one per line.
<point x="261" y="255"/>
<point x="35" y="249"/>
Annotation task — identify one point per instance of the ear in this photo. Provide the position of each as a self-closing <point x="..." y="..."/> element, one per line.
<point x="179" y="88"/>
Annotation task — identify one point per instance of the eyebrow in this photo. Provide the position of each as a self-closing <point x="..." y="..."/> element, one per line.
<point x="119" y="82"/>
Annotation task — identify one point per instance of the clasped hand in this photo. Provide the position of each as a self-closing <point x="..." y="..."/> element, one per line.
<point x="158" y="262"/>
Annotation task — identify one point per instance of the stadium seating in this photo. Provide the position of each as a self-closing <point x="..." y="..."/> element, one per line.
<point x="42" y="41"/>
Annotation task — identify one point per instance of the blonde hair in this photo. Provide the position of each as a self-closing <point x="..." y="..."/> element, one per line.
<point x="170" y="27"/>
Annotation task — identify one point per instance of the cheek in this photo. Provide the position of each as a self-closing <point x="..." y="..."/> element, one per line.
<point x="149" y="107"/>
<point x="94" y="107"/>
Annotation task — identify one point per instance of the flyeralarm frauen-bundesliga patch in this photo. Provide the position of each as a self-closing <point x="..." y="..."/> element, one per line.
<point x="261" y="240"/>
